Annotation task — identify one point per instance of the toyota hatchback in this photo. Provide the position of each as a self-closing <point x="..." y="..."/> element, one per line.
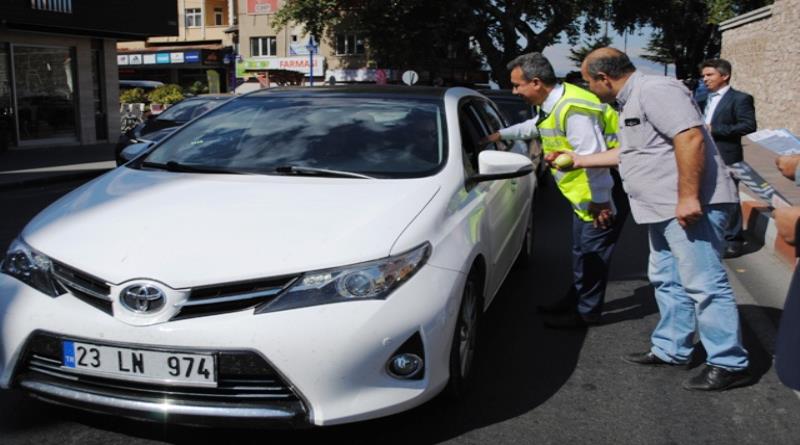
<point x="300" y="256"/>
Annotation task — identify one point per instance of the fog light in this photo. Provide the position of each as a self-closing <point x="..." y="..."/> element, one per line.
<point x="404" y="366"/>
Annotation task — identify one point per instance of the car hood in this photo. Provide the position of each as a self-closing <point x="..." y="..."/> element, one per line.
<point x="187" y="229"/>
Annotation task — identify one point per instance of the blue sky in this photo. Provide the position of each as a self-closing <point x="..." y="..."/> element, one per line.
<point x="557" y="54"/>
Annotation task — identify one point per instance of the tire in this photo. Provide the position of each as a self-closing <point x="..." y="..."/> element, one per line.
<point x="465" y="338"/>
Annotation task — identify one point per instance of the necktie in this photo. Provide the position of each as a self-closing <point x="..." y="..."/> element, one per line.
<point x="710" y="99"/>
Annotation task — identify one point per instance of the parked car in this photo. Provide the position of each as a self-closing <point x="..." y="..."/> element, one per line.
<point x="299" y="256"/>
<point x="146" y="85"/>
<point x="158" y="126"/>
<point x="516" y="110"/>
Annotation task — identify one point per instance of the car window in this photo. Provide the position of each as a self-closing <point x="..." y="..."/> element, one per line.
<point x="515" y="111"/>
<point x="378" y="137"/>
<point x="494" y="123"/>
<point x="188" y="109"/>
<point x="472" y="131"/>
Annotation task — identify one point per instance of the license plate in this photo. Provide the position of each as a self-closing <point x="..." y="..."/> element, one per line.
<point x="171" y="368"/>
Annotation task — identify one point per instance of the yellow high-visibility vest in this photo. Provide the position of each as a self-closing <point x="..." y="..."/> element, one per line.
<point x="574" y="185"/>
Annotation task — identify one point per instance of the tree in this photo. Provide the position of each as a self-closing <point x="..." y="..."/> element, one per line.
<point x="399" y="31"/>
<point x="686" y="31"/>
<point x="577" y="54"/>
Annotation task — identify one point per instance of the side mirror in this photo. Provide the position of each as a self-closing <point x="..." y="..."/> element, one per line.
<point x="133" y="151"/>
<point x="494" y="165"/>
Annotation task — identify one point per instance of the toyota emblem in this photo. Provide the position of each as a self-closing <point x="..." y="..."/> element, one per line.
<point x="143" y="298"/>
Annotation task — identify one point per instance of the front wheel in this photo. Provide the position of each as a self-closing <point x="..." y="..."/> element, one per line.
<point x="465" y="338"/>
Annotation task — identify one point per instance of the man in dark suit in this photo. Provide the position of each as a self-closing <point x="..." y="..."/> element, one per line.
<point x="729" y="115"/>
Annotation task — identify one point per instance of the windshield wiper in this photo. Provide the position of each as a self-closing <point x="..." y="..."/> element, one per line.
<point x="174" y="166"/>
<point x="312" y="171"/>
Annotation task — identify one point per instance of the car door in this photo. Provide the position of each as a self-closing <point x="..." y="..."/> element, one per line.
<point x="497" y="196"/>
<point x="519" y="189"/>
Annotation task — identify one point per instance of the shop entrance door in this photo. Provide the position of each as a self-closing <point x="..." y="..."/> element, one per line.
<point x="8" y="125"/>
<point x="46" y="92"/>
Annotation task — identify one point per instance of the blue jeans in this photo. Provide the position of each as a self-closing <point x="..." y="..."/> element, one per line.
<point x="693" y="292"/>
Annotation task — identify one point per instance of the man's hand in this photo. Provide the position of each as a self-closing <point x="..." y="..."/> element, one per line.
<point x="602" y="213"/>
<point x="787" y="165"/>
<point x="688" y="211"/>
<point x="494" y="137"/>
<point x="785" y="220"/>
<point x="551" y="157"/>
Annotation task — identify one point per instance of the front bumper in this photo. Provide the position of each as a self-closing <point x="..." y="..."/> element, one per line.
<point x="331" y="357"/>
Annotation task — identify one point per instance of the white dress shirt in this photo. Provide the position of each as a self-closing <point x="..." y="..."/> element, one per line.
<point x="584" y="133"/>
<point x="713" y="101"/>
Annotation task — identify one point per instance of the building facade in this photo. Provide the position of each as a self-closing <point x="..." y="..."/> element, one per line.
<point x="263" y="49"/>
<point x="763" y="48"/>
<point x="58" y="67"/>
<point x="200" y="52"/>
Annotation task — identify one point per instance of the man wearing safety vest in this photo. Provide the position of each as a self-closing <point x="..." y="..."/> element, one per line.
<point x="573" y="119"/>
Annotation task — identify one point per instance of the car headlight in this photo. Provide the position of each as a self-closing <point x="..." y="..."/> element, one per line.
<point x="374" y="280"/>
<point x="31" y="267"/>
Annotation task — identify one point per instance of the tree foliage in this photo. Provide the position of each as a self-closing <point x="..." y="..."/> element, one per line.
<point x="685" y="31"/>
<point x="425" y="32"/>
<point x="577" y="54"/>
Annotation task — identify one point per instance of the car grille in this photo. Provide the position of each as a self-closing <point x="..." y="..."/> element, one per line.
<point x="203" y="300"/>
<point x="243" y="377"/>
<point x="85" y="287"/>
<point x="231" y="297"/>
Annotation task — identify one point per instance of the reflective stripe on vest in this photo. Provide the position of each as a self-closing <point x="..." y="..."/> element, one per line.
<point x="574" y="185"/>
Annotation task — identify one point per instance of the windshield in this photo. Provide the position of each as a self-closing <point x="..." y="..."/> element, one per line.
<point x="388" y="138"/>
<point x="188" y="109"/>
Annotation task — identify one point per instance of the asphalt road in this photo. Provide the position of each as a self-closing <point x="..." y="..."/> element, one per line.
<point x="534" y="385"/>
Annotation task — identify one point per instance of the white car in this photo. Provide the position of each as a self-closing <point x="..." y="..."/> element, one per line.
<point x="299" y="256"/>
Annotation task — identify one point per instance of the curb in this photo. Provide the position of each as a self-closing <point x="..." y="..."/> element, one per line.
<point x="761" y="226"/>
<point x="51" y="179"/>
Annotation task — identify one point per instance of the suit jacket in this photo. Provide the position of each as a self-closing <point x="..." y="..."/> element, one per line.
<point x="734" y="117"/>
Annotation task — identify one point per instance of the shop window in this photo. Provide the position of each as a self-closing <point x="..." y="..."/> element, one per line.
<point x="349" y="44"/>
<point x="263" y="46"/>
<point x="218" y="17"/>
<point x="193" y="17"/>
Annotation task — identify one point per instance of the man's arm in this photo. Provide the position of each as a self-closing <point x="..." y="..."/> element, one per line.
<point x="690" y="157"/>
<point x="744" y="116"/>
<point x="606" y="159"/>
<point x="585" y="135"/>
<point x="521" y="131"/>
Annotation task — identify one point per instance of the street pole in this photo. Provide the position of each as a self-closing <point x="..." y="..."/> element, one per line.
<point x="312" y="48"/>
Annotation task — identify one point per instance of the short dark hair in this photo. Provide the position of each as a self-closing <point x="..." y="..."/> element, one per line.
<point x="721" y="65"/>
<point x="534" y="65"/>
<point x="615" y="65"/>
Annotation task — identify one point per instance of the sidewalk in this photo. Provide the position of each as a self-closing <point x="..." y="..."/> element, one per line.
<point x="28" y="167"/>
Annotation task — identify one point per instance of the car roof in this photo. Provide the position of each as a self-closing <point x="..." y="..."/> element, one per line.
<point x="211" y="97"/>
<point x="370" y="90"/>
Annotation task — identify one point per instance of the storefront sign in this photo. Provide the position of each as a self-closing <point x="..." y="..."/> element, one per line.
<point x="256" y="7"/>
<point x="192" y="57"/>
<point x="380" y="76"/>
<point x="162" y="57"/>
<point x="176" y="57"/>
<point x="149" y="59"/>
<point x="135" y="59"/>
<point x="122" y="59"/>
<point x="299" y="64"/>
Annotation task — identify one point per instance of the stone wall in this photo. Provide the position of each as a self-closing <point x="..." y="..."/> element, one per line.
<point x="765" y="55"/>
